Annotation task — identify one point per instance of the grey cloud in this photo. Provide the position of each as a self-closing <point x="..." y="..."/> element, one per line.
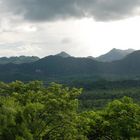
<point x="13" y="46"/>
<point x="46" y="10"/>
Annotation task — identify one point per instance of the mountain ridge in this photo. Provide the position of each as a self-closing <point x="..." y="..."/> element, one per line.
<point x="63" y="54"/>
<point x="18" y="59"/>
<point x="56" y="66"/>
<point x="114" y="54"/>
<point x="103" y="58"/>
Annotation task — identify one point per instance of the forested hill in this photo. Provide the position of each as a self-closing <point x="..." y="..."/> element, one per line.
<point x="57" y="66"/>
<point x="18" y="59"/>
<point x="114" y="54"/>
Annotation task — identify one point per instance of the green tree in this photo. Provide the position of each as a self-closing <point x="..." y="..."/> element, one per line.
<point x="31" y="111"/>
<point x="120" y="120"/>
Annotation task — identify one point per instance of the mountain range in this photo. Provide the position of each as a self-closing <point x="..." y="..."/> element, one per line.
<point x="114" y="54"/>
<point x="63" y="54"/>
<point x="62" y="67"/>
<point x="18" y="60"/>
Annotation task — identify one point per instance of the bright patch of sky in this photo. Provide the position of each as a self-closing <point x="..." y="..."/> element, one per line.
<point x="76" y="30"/>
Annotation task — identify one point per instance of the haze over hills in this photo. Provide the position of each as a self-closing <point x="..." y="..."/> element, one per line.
<point x="18" y="60"/>
<point x="58" y="66"/>
<point x="114" y="54"/>
<point x="63" y="54"/>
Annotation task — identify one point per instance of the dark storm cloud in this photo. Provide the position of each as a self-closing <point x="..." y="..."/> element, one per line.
<point x="45" y="10"/>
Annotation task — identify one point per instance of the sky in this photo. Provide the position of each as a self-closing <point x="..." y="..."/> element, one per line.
<point x="79" y="27"/>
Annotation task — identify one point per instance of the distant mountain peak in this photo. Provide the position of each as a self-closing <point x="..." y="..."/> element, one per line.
<point x="114" y="54"/>
<point x="130" y="50"/>
<point x="63" y="54"/>
<point x="120" y="50"/>
<point x="115" y="50"/>
<point x="135" y="55"/>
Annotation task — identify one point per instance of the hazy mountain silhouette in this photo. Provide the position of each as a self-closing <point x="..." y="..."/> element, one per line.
<point x="63" y="54"/>
<point x="114" y="54"/>
<point x="58" y="66"/>
<point x="18" y="59"/>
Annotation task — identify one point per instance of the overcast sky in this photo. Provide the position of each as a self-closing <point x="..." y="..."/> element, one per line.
<point x="79" y="27"/>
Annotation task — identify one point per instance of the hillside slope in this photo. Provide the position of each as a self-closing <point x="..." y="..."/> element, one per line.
<point x="57" y="66"/>
<point x="114" y="54"/>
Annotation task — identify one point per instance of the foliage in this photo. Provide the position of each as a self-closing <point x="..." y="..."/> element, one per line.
<point x="97" y="99"/>
<point x="32" y="111"/>
<point x="18" y="60"/>
<point x="120" y="120"/>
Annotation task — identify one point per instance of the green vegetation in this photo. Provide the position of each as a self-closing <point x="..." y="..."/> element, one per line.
<point x="32" y="111"/>
<point x="55" y="67"/>
<point x="97" y="99"/>
<point x="97" y="94"/>
<point x="18" y="60"/>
